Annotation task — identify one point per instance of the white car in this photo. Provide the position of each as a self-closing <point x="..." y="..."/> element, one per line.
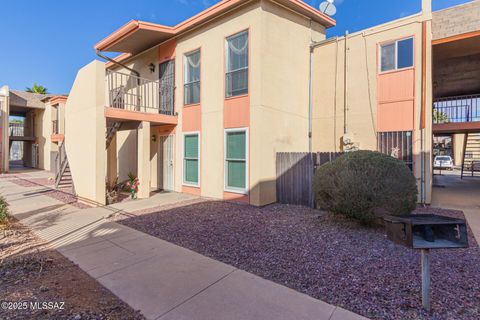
<point x="443" y="162"/>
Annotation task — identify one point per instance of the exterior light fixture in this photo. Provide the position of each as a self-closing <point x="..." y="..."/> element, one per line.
<point x="151" y="66"/>
<point x="154" y="138"/>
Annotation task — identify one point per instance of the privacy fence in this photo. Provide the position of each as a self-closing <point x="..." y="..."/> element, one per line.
<point x="295" y="172"/>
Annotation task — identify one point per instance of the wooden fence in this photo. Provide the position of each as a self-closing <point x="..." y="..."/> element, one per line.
<point x="295" y="172"/>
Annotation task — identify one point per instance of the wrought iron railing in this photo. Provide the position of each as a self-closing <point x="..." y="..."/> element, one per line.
<point x="134" y="93"/>
<point x="456" y="109"/>
<point x="17" y="129"/>
<point x="55" y="127"/>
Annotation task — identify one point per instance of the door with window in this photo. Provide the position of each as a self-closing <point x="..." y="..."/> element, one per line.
<point x="165" y="163"/>
<point x="167" y="87"/>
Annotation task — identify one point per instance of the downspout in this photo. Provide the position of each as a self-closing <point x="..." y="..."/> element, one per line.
<point x="313" y="45"/>
<point x="422" y="114"/>
<point x="310" y="100"/>
<point x="345" y="105"/>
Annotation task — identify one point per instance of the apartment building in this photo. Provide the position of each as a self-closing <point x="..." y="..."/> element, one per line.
<point x="32" y="127"/>
<point x="204" y="107"/>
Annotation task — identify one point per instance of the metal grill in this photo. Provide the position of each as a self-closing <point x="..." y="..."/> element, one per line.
<point x="167" y="87"/>
<point x="397" y="144"/>
<point x="456" y="109"/>
<point x="133" y="93"/>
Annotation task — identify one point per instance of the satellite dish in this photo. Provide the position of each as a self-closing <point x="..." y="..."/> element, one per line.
<point x="328" y="8"/>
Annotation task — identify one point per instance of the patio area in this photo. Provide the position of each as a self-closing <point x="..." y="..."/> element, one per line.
<point x="326" y="257"/>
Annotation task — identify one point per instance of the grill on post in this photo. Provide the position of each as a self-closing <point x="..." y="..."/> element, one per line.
<point x="425" y="232"/>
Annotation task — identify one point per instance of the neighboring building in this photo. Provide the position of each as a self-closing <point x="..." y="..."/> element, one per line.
<point x="34" y="137"/>
<point x="203" y="107"/>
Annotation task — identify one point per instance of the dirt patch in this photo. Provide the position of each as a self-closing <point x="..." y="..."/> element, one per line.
<point x="31" y="272"/>
<point x="324" y="256"/>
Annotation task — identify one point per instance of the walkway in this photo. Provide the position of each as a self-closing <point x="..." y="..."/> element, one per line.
<point x="162" y="280"/>
<point x="451" y="192"/>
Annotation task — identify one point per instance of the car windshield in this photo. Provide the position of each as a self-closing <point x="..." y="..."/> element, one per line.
<point x="443" y="158"/>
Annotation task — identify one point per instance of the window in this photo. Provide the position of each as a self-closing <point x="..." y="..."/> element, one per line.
<point x="236" y="160"/>
<point x="236" y="78"/>
<point x="191" y="164"/>
<point x="397" y="144"/>
<point x="191" y="90"/>
<point x="396" y="55"/>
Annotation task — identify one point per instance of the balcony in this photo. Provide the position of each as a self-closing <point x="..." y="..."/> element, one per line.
<point x="456" y="114"/>
<point x="56" y="135"/>
<point x="139" y="99"/>
<point x="19" y="132"/>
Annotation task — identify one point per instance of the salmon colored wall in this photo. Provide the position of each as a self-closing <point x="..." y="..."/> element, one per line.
<point x="396" y="98"/>
<point x="192" y="116"/>
<point x="237" y="112"/>
<point x="191" y="190"/>
<point x="166" y="51"/>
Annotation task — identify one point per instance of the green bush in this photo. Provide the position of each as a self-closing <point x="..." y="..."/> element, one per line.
<point x="3" y="210"/>
<point x="365" y="185"/>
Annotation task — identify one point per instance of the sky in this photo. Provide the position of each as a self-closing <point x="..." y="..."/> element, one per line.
<point x="47" y="42"/>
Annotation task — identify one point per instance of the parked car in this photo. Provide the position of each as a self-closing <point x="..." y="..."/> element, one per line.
<point x="443" y="162"/>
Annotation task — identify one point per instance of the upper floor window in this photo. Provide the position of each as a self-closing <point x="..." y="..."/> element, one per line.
<point x="396" y="55"/>
<point x="236" y="78"/>
<point x="191" y="68"/>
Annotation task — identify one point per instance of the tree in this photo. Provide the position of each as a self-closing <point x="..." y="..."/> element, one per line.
<point x="37" y="89"/>
<point x="439" y="116"/>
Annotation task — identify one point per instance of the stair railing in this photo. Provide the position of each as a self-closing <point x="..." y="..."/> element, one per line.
<point x="61" y="162"/>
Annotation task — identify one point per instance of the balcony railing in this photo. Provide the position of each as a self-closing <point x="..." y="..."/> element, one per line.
<point x="17" y="129"/>
<point x="55" y="127"/>
<point x="133" y="93"/>
<point x="456" y="109"/>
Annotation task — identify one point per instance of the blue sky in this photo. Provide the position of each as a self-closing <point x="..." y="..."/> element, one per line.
<point x="47" y="42"/>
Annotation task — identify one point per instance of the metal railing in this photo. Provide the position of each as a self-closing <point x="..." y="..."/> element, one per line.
<point x="133" y="93"/>
<point x="456" y="109"/>
<point x="17" y="129"/>
<point x="55" y="126"/>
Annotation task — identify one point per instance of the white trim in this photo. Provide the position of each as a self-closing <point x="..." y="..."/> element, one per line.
<point x="247" y="147"/>
<point x="185" y="183"/>
<point x="396" y="68"/>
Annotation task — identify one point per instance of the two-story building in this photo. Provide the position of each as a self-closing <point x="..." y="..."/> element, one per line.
<point x="203" y="107"/>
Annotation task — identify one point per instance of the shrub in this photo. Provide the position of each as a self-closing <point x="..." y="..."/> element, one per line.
<point x="365" y="185"/>
<point x="3" y="210"/>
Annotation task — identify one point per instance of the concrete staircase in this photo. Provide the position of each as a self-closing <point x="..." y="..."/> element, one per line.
<point x="471" y="155"/>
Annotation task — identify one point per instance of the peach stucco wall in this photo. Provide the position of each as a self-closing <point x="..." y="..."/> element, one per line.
<point x="396" y="100"/>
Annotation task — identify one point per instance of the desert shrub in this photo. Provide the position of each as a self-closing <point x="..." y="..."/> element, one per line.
<point x="3" y="210"/>
<point x="365" y="185"/>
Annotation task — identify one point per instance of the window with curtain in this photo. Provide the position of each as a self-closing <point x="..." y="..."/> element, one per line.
<point x="191" y="160"/>
<point x="236" y="81"/>
<point x="191" y="77"/>
<point x="396" y="55"/>
<point x="236" y="160"/>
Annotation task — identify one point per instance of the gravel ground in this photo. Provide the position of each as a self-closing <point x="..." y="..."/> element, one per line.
<point x="30" y="272"/>
<point x="326" y="257"/>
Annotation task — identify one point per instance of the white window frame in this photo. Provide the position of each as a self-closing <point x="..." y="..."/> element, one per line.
<point x="227" y="72"/>
<point x="396" y="54"/>
<point x="184" y="182"/>
<point x="185" y="81"/>
<point x="226" y="188"/>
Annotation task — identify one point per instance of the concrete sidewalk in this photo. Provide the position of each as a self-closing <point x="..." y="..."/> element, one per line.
<point x="162" y="280"/>
<point x="451" y="192"/>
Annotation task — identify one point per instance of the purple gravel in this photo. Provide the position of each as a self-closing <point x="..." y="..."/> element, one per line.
<point x="326" y="257"/>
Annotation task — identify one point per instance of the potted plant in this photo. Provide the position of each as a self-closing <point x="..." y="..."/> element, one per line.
<point x="132" y="185"/>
